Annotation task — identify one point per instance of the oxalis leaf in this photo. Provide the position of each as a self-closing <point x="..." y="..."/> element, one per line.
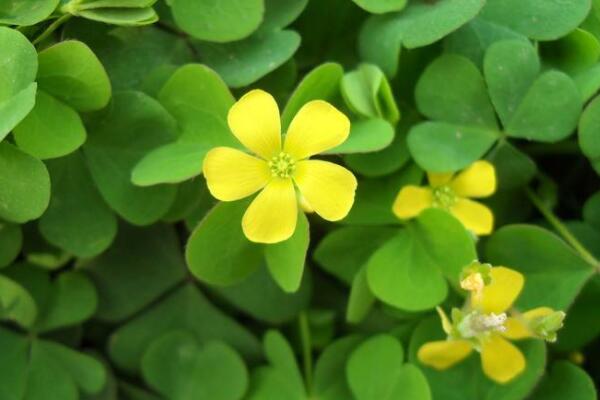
<point x="213" y="371"/>
<point x="17" y="88"/>
<point x="420" y="24"/>
<point x="410" y="270"/>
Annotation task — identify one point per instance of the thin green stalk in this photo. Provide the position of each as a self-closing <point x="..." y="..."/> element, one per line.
<point x="562" y="229"/>
<point x="51" y="28"/>
<point x="305" y="339"/>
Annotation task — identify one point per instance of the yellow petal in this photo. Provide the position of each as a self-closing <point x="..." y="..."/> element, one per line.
<point x="474" y="216"/>
<point x="232" y="174"/>
<point x="271" y="217"/>
<point x="478" y="180"/>
<point x="327" y="187"/>
<point x="516" y="329"/>
<point x="411" y="200"/>
<point x="317" y="127"/>
<point x="254" y="120"/>
<point x="501" y="360"/>
<point x="444" y="353"/>
<point x="439" y="178"/>
<point x="502" y="291"/>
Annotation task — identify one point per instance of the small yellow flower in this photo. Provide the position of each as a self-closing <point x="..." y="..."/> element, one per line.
<point x="277" y="170"/>
<point x="483" y="325"/>
<point x="453" y="192"/>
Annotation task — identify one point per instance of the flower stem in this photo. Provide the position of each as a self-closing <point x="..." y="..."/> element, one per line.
<point x="306" y="350"/>
<point x="51" y="28"/>
<point x="560" y="227"/>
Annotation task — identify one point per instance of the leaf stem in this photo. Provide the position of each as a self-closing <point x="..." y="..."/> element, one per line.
<point x="560" y="227"/>
<point x="306" y="350"/>
<point x="51" y="28"/>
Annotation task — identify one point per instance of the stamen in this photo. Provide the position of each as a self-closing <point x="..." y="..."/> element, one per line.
<point x="443" y="197"/>
<point x="477" y="324"/>
<point x="282" y="165"/>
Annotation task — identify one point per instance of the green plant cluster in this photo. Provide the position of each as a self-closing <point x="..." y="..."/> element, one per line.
<point x="122" y="278"/>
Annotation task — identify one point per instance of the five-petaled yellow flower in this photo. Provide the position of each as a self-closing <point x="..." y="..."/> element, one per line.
<point x="483" y="325"/>
<point x="452" y="192"/>
<point x="277" y="170"/>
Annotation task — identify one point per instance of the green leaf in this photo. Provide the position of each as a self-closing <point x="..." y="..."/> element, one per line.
<point x="466" y="380"/>
<point x="530" y="17"/>
<point x="366" y="136"/>
<point x="281" y="379"/>
<point x="231" y="20"/>
<point x="72" y="299"/>
<point x="473" y="39"/>
<point x="177" y="367"/>
<point x="152" y="253"/>
<point x="52" y="129"/>
<point x="388" y="160"/>
<point x="197" y="97"/>
<point x="25" y="185"/>
<point x="565" y="381"/>
<point x="46" y="378"/>
<point x="17" y="89"/>
<point x="77" y="219"/>
<point x="452" y="90"/>
<point x="120" y="16"/>
<point x="285" y="260"/>
<point x="172" y="163"/>
<point x="554" y="273"/>
<point x="511" y="67"/>
<point x="15" y="356"/>
<point x="16" y="304"/>
<point x="184" y="309"/>
<point x="118" y="138"/>
<point x="408" y="271"/>
<point x="281" y="13"/>
<point x="344" y="251"/>
<point x="330" y="369"/>
<point x="244" y="62"/>
<point x="262" y="298"/>
<point x="218" y="252"/>
<point x="130" y="56"/>
<point x="420" y="24"/>
<point x="26" y="12"/>
<point x="11" y="240"/>
<point x="381" y="6"/>
<point x="195" y="88"/>
<point x="86" y="371"/>
<point x="549" y="111"/>
<point x="361" y="298"/>
<point x="376" y="371"/>
<point x="71" y="72"/>
<point x="581" y="325"/>
<point x="368" y="93"/>
<point x="446" y="147"/>
<point x="591" y="210"/>
<point x="322" y="83"/>
<point x="589" y="124"/>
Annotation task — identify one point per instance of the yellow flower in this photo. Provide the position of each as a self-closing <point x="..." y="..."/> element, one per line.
<point x="277" y="170"/>
<point x="453" y="193"/>
<point x="485" y="327"/>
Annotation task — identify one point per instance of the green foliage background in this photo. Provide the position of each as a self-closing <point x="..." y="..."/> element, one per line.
<point x="121" y="278"/>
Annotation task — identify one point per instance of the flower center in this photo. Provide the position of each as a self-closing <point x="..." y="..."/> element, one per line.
<point x="443" y="197"/>
<point x="282" y="165"/>
<point x="476" y="324"/>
